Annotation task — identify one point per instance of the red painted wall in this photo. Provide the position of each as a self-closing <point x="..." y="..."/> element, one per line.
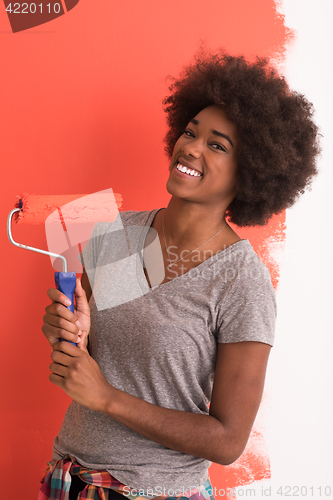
<point x="80" y="101"/>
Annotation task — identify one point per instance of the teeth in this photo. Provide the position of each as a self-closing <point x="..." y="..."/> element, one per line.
<point x="188" y="171"/>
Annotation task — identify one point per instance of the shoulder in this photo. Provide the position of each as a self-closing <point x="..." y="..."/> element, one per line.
<point x="123" y="219"/>
<point x="136" y="218"/>
<point x="238" y="266"/>
<point x="243" y="267"/>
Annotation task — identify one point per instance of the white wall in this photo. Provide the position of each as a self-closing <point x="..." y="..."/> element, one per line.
<point x="299" y="421"/>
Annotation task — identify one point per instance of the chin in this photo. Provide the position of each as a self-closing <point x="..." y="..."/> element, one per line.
<point x="176" y="192"/>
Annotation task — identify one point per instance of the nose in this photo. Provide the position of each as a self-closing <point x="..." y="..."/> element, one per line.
<point x="192" y="148"/>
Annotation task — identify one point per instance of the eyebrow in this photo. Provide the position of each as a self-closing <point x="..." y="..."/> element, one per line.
<point x="215" y="132"/>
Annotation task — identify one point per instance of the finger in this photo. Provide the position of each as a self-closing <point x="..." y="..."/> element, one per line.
<point x="57" y="296"/>
<point x="60" y="322"/>
<point x="67" y="348"/>
<point x="56" y="379"/>
<point x="61" y="358"/>
<point x="57" y="369"/>
<point x="54" y="334"/>
<point x="83" y="342"/>
<point x="56" y="309"/>
<point x="59" y="328"/>
<point x="54" y="313"/>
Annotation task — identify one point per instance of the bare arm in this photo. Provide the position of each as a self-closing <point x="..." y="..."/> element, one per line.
<point x="220" y="436"/>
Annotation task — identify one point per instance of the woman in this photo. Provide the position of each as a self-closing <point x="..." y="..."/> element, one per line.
<point x="243" y="146"/>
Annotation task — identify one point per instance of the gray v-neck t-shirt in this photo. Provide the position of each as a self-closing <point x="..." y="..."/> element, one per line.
<point x="160" y="345"/>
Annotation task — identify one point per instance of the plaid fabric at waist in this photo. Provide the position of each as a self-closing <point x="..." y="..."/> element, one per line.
<point x="57" y="480"/>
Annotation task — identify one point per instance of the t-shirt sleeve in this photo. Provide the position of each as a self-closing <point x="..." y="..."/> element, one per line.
<point x="247" y="311"/>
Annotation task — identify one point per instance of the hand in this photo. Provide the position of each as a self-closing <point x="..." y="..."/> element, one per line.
<point x="61" y="323"/>
<point x="78" y="374"/>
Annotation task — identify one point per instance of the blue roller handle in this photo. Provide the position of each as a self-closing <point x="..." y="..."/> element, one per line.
<point x="65" y="282"/>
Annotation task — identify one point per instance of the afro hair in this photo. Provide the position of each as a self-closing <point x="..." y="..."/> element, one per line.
<point x="277" y="137"/>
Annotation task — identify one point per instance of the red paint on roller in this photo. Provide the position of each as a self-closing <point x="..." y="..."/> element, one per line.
<point x="37" y="208"/>
<point x="69" y="220"/>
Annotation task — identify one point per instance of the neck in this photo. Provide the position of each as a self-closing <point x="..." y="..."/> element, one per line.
<point x="190" y="224"/>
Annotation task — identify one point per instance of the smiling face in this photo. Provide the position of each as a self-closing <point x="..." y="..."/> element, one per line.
<point x="207" y="151"/>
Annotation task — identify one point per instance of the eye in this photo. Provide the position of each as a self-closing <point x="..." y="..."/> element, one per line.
<point x="219" y="147"/>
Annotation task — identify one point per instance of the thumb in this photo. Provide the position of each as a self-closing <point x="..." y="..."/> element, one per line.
<point x="81" y="298"/>
<point x="83" y="342"/>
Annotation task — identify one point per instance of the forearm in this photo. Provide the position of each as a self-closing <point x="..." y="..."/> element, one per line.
<point x="78" y="374"/>
<point x="191" y="433"/>
<point x="219" y="437"/>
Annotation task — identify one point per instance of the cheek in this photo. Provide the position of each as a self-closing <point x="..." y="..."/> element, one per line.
<point x="179" y="143"/>
<point x="233" y="179"/>
<point x="233" y="182"/>
<point x="175" y="149"/>
<point x="175" y="152"/>
<point x="227" y="175"/>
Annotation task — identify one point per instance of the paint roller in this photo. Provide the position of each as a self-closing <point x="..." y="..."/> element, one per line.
<point x="68" y="220"/>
